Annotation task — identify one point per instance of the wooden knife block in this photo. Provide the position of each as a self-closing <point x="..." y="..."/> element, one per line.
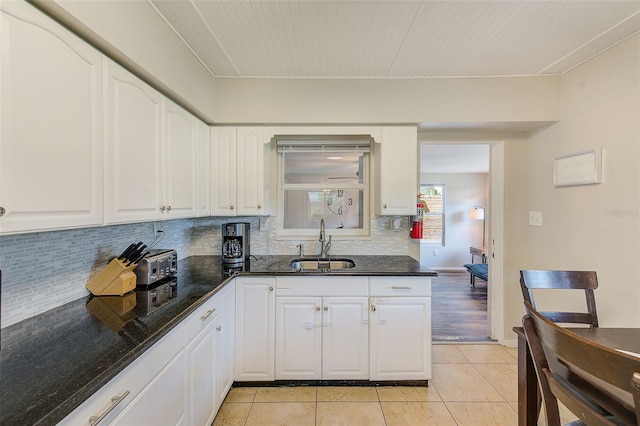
<point x="115" y="279"/>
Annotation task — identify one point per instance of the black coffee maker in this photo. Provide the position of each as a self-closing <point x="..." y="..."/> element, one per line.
<point x="235" y="242"/>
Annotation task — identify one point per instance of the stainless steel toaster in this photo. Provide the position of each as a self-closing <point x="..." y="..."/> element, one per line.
<point x="157" y="265"/>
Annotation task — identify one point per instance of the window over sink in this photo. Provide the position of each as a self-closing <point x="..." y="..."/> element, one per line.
<point x="326" y="179"/>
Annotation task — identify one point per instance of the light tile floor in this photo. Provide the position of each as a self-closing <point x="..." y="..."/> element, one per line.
<point x="472" y="384"/>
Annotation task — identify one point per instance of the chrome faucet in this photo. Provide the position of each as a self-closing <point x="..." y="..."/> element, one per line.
<point x="324" y="248"/>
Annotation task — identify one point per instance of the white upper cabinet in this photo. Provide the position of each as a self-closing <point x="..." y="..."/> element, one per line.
<point x="203" y="172"/>
<point x="223" y="171"/>
<point x="237" y="171"/>
<point x="133" y="184"/>
<point x="179" y="163"/>
<point x="250" y="191"/>
<point x="397" y="159"/>
<point x="152" y="148"/>
<point x="51" y="141"/>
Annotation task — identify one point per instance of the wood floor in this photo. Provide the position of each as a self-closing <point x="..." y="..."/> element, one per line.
<point x="458" y="310"/>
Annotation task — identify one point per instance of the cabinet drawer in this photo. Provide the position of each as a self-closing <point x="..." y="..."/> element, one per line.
<point x="400" y="286"/>
<point x="322" y="286"/>
<point x="129" y="382"/>
<point x="204" y="315"/>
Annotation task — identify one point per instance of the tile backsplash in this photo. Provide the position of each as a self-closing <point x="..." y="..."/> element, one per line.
<point x="43" y="270"/>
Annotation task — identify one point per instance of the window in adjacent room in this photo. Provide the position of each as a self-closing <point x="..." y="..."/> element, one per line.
<point x="434" y="213"/>
<point x="326" y="178"/>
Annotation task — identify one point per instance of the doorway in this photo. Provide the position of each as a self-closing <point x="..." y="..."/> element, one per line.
<point x="460" y="311"/>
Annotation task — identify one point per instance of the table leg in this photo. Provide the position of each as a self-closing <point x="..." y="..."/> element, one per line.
<point x="528" y="393"/>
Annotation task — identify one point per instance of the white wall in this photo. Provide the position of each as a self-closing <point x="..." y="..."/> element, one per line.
<point x="387" y="100"/>
<point x="464" y="191"/>
<point x="594" y="227"/>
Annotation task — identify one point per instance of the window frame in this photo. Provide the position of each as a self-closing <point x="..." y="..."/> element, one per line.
<point x="337" y="234"/>
<point x="442" y="214"/>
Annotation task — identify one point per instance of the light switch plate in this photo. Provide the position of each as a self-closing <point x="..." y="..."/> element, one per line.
<point x="535" y="218"/>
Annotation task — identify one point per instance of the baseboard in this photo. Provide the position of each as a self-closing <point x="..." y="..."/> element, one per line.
<point x="449" y="268"/>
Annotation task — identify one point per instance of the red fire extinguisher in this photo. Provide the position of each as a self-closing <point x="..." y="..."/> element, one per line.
<point x="416" y="221"/>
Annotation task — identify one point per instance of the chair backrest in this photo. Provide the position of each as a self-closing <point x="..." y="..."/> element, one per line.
<point x="536" y="350"/>
<point x="569" y="280"/>
<point x="593" y="381"/>
<point x="635" y="381"/>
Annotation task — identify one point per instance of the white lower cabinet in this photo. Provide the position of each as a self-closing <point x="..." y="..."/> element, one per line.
<point x="201" y="353"/>
<point x="156" y="368"/>
<point x="225" y="339"/>
<point x="161" y="402"/>
<point x="400" y="333"/>
<point x="255" y="328"/>
<point x="210" y="356"/>
<point x="345" y="338"/>
<point x="322" y="338"/>
<point x="180" y="380"/>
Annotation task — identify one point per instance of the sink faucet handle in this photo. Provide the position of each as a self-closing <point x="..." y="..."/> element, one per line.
<point x="300" y="248"/>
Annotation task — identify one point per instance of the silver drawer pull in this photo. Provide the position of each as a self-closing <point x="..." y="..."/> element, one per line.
<point x="401" y="287"/>
<point x="207" y="314"/>
<point x="115" y="400"/>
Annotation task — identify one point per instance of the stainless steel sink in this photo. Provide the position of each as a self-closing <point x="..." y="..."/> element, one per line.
<point x="323" y="264"/>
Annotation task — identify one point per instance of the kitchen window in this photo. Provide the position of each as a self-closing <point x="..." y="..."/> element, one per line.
<point x="323" y="179"/>
<point x="432" y="195"/>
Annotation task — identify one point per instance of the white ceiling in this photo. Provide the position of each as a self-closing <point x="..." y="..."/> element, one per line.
<point x="397" y="38"/>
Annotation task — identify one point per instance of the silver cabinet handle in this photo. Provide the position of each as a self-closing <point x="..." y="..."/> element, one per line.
<point x="270" y="288"/>
<point x="168" y="208"/>
<point x="2" y="211"/>
<point x="259" y="206"/>
<point x="207" y="314"/>
<point x="115" y="400"/>
<point x="384" y="206"/>
<point x="373" y="308"/>
<point x="218" y="328"/>
<point x="401" y="287"/>
<point x="326" y="308"/>
<point x="317" y="308"/>
<point x="162" y="208"/>
<point x="231" y="207"/>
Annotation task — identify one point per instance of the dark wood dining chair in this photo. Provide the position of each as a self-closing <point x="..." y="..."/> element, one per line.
<point x="586" y="281"/>
<point x="531" y="280"/>
<point x="593" y="381"/>
<point x="635" y="381"/>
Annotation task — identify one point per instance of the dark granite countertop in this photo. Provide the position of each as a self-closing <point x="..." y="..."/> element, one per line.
<point x="51" y="363"/>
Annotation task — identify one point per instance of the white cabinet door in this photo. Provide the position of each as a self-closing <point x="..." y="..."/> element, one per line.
<point x="250" y="171"/>
<point x="400" y="330"/>
<point x="179" y="163"/>
<point x="237" y="171"/>
<point x="223" y="171"/>
<point x="255" y="328"/>
<point x="298" y="338"/>
<point x="133" y="174"/>
<point x="203" y="172"/>
<point x="202" y="394"/>
<point x="397" y="159"/>
<point x="162" y="402"/>
<point x="51" y="140"/>
<point x="345" y="338"/>
<point x="225" y="340"/>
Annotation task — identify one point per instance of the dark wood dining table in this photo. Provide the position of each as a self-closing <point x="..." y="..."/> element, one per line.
<point x="627" y="339"/>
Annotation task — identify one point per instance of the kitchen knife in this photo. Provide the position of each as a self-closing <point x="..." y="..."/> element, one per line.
<point x="126" y="252"/>
<point x="137" y="253"/>
<point x="138" y="259"/>
<point x="133" y="251"/>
